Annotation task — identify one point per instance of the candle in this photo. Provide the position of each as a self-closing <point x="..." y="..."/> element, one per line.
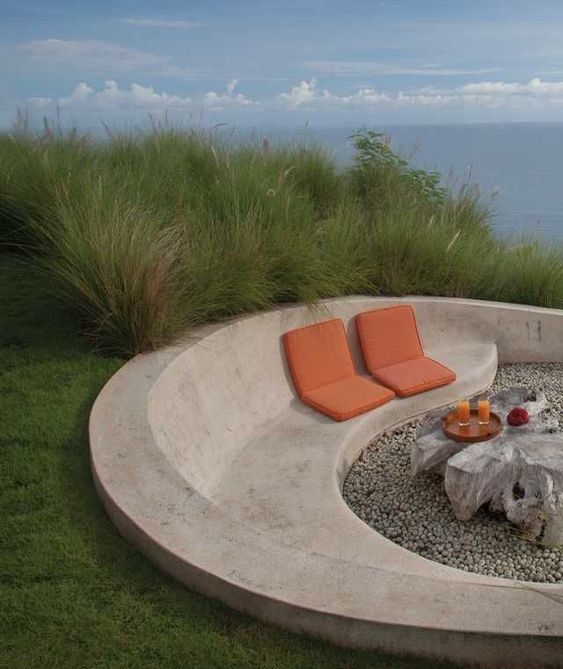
<point x="484" y="412"/>
<point x="463" y="412"/>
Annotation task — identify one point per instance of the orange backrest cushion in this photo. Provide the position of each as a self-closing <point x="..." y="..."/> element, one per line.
<point x="388" y="336"/>
<point x="318" y="354"/>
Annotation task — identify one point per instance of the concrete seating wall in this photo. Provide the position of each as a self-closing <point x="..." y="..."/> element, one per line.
<point x="234" y="379"/>
<point x="205" y="459"/>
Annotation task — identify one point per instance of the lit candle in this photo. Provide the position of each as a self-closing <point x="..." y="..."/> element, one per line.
<point x="484" y="412"/>
<point x="463" y="412"/>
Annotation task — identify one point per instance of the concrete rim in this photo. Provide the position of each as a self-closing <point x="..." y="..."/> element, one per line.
<point x="381" y="596"/>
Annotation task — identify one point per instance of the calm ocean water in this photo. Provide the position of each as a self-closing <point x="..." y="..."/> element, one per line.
<point x="521" y="163"/>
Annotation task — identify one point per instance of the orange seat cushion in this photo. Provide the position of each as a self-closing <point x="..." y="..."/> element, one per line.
<point x="348" y="397"/>
<point x="414" y="376"/>
<point x="323" y="373"/>
<point x="388" y="336"/>
<point x="393" y="351"/>
<point x="318" y="355"/>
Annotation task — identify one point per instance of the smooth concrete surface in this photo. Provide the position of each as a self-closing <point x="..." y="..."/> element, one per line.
<point x="206" y="461"/>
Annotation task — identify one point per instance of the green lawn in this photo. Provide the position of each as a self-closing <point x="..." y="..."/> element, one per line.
<point x="73" y="593"/>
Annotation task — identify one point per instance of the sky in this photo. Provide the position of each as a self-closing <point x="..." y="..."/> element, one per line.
<point x="282" y="63"/>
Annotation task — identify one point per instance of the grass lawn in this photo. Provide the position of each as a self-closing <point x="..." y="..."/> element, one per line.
<point x="73" y="593"/>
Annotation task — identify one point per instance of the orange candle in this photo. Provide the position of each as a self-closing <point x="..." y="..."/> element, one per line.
<point x="484" y="412"/>
<point x="463" y="412"/>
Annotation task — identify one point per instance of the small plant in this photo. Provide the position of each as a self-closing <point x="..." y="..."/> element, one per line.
<point x="373" y="154"/>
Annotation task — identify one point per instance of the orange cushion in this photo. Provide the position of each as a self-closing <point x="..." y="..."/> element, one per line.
<point x="318" y="354"/>
<point x="393" y="351"/>
<point x="348" y="397"/>
<point x="414" y="376"/>
<point x="323" y="373"/>
<point x="388" y="336"/>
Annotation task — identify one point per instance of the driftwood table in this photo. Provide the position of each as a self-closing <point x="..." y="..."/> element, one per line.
<point x="520" y="471"/>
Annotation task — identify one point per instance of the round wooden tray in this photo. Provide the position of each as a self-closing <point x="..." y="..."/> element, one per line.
<point x="473" y="432"/>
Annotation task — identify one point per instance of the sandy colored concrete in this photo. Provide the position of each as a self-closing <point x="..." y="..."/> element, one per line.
<point x="207" y="462"/>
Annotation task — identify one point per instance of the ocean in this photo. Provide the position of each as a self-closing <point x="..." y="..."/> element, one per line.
<point x="517" y="166"/>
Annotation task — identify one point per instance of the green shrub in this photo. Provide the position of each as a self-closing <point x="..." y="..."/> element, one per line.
<point x="378" y="169"/>
<point x="145" y="235"/>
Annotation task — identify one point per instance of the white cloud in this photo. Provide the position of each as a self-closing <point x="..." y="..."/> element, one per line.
<point x="535" y="94"/>
<point x="218" y="101"/>
<point x="493" y="94"/>
<point x="90" y="54"/>
<point x="306" y="95"/>
<point x="230" y="87"/>
<point x="80" y="95"/>
<point x="534" y="88"/>
<point x="364" y="68"/>
<point x="303" y="94"/>
<point x="137" y="97"/>
<point x="162" y="23"/>
<point x="39" y="102"/>
<point x="99" y="57"/>
<point x="113" y="97"/>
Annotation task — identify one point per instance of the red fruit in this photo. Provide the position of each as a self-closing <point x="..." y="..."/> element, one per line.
<point x="517" y="416"/>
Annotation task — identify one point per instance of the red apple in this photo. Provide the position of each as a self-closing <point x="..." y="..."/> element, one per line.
<point x="518" y="416"/>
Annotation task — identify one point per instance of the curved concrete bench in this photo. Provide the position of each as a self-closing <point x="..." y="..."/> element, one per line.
<point x="205" y="460"/>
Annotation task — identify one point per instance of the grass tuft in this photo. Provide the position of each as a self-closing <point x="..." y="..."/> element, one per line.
<point x="147" y="234"/>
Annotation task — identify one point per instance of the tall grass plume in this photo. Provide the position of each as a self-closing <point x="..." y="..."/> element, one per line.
<point x="147" y="234"/>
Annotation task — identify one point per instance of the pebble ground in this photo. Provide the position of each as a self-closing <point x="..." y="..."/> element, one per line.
<point x="416" y="514"/>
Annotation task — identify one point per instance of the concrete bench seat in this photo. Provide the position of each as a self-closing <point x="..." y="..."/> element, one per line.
<point x="207" y="461"/>
<point x="278" y="482"/>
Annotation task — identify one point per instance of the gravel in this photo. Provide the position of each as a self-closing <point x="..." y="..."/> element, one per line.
<point x="416" y="514"/>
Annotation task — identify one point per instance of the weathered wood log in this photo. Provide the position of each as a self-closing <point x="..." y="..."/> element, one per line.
<point x="519" y="472"/>
<point x="432" y="449"/>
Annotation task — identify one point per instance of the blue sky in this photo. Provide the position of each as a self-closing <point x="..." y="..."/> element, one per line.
<point x="325" y="62"/>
